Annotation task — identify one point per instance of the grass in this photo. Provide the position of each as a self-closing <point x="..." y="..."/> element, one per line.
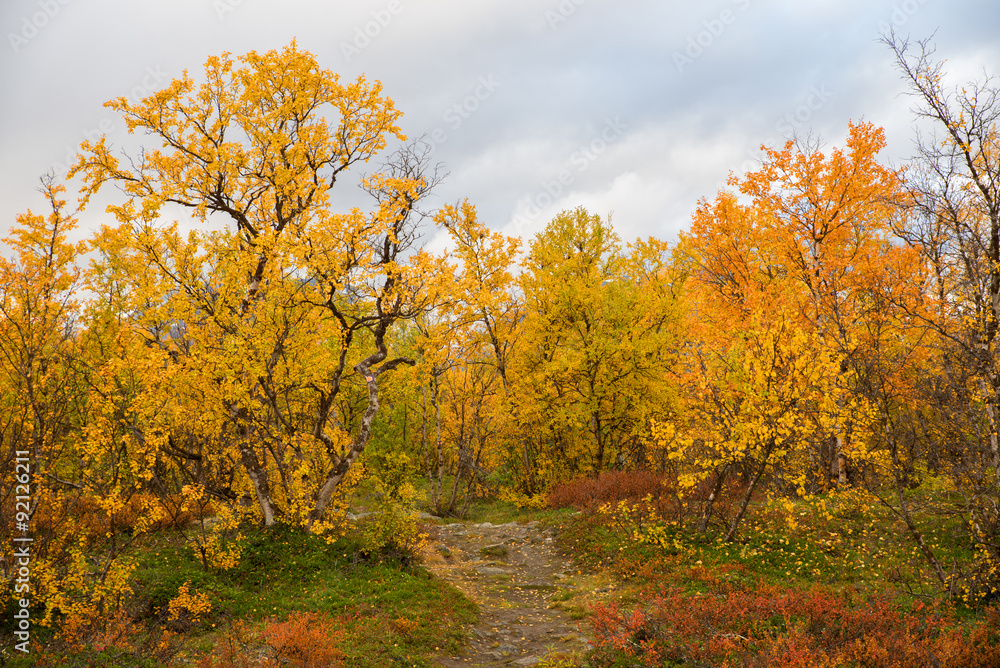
<point x="845" y="544"/>
<point x="803" y="577"/>
<point x="387" y="608"/>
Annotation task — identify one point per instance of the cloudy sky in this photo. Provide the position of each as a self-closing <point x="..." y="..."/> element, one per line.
<point x="635" y="107"/>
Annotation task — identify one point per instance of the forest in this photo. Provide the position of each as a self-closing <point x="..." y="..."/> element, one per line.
<point x="809" y="374"/>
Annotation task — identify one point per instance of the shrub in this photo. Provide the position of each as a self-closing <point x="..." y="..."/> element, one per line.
<point x="110" y="641"/>
<point x="766" y="626"/>
<point x="303" y="640"/>
<point x="611" y="487"/>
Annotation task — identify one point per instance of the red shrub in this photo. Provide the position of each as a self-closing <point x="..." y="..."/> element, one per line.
<point x="611" y="487"/>
<point x="665" y="501"/>
<point x="764" y="626"/>
<point x="304" y="640"/>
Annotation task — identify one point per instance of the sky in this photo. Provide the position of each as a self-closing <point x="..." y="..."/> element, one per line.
<point x="634" y="109"/>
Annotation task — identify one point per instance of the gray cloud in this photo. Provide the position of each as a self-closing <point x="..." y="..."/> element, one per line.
<point x="696" y="87"/>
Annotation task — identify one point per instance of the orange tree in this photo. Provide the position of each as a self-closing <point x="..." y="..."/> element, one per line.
<point x="795" y="292"/>
<point x="812" y="238"/>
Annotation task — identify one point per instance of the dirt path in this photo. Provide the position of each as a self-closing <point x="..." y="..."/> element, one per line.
<point x="518" y="578"/>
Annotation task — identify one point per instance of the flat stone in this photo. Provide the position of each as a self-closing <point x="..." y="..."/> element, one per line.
<point x="496" y="550"/>
<point x="507" y="649"/>
<point x="528" y="661"/>
<point x="492" y="570"/>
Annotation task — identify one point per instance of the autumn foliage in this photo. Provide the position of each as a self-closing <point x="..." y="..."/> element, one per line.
<point x="303" y="640"/>
<point x="234" y="349"/>
<point x="764" y="626"/>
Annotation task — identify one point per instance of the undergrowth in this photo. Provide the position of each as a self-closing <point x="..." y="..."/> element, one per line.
<point x="293" y="599"/>
<point x="827" y="581"/>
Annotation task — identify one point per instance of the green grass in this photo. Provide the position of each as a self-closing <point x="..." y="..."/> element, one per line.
<point x="389" y="608"/>
<point x="841" y="543"/>
<point x="391" y="612"/>
<point x="852" y="544"/>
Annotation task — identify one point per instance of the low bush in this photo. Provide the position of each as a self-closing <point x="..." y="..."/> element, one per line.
<point x="303" y="640"/>
<point x="763" y="625"/>
<point x="611" y="487"/>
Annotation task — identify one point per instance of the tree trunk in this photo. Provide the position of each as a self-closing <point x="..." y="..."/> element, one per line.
<point x="991" y="396"/>
<point x="340" y="469"/>
<point x="911" y="527"/>
<point x="423" y="433"/>
<point x="436" y="483"/>
<point x="706" y="514"/>
<point x="258" y="477"/>
<point x="255" y="471"/>
<point x="595" y="428"/>
<point x="745" y="503"/>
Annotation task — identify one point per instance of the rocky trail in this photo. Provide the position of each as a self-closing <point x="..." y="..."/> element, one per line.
<point x="519" y="580"/>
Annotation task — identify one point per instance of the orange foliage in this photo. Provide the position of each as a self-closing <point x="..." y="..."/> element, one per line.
<point x="304" y="640"/>
<point x="757" y="625"/>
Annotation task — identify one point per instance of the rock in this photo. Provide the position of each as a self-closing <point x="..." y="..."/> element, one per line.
<point x="537" y="586"/>
<point x="444" y="551"/>
<point x="506" y="649"/>
<point x="492" y="570"/>
<point x="496" y="550"/>
<point x="528" y="661"/>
